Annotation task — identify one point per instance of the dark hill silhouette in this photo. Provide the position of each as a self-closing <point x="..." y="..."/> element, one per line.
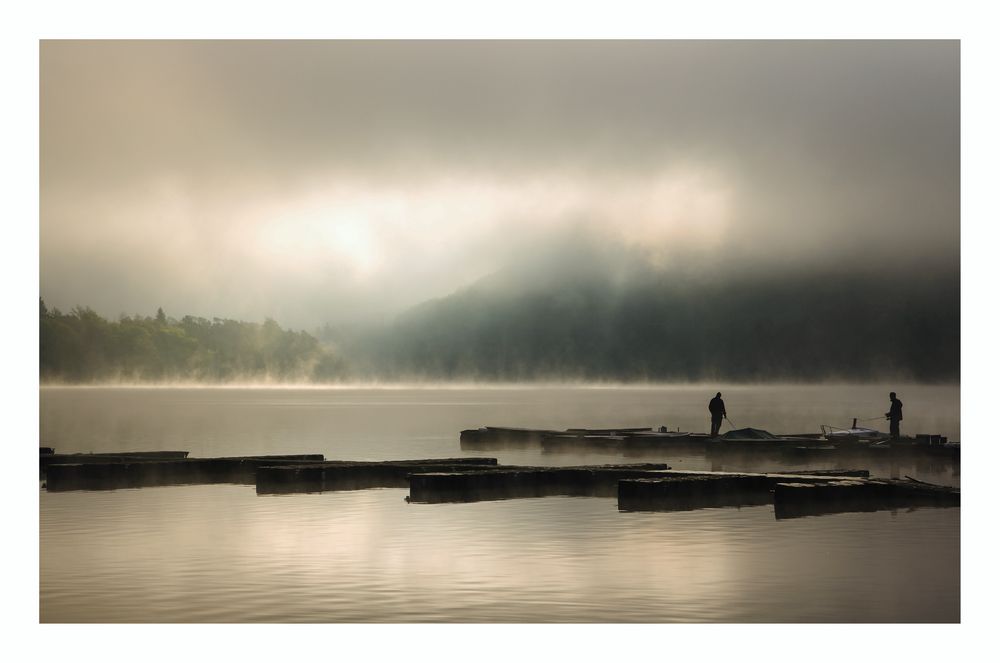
<point x="652" y="327"/>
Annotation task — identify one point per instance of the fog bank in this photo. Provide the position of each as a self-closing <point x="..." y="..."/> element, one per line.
<point x="344" y="182"/>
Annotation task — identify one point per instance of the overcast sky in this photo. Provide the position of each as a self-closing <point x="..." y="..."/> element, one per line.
<point x="331" y="181"/>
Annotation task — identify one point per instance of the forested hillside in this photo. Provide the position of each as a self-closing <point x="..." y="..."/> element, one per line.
<point x="764" y="328"/>
<point x="81" y="346"/>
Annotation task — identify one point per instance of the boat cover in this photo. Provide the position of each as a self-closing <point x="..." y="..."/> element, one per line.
<point x="748" y="434"/>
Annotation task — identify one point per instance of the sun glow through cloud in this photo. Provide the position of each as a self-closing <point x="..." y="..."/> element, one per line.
<point x="367" y="229"/>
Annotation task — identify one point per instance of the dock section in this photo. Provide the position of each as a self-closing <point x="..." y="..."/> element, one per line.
<point x="356" y="475"/>
<point x="797" y="499"/>
<point x="145" y="473"/>
<point x="47" y="456"/>
<point x="792" y="495"/>
<point x="507" y="482"/>
<point x="684" y="491"/>
<point x="637" y="441"/>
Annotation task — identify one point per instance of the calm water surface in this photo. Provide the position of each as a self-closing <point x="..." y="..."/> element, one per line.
<point x="222" y="553"/>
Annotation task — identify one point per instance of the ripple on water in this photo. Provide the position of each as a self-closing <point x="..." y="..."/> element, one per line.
<point x="221" y="553"/>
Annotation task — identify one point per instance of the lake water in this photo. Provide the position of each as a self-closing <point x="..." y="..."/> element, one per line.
<point x="222" y="553"/>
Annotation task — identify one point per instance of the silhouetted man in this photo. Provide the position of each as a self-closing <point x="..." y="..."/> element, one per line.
<point x="894" y="415"/>
<point x="718" y="410"/>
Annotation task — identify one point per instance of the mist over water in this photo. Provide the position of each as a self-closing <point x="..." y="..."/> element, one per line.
<point x="222" y="553"/>
<point x="360" y="421"/>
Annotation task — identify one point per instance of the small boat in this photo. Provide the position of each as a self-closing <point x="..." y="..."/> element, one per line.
<point x="853" y="434"/>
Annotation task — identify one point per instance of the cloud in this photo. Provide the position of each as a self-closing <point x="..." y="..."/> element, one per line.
<point x="316" y="181"/>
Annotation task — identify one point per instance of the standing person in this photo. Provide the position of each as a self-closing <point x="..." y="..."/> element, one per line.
<point x="894" y="415"/>
<point x="718" y="410"/>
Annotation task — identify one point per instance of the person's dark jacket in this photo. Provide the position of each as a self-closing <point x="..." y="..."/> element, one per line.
<point x="895" y="412"/>
<point x="717" y="408"/>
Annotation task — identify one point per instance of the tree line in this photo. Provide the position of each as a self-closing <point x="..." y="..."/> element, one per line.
<point x="81" y="346"/>
<point x="769" y="328"/>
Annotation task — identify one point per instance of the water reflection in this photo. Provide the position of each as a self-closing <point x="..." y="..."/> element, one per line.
<point x="222" y="553"/>
<point x="219" y="553"/>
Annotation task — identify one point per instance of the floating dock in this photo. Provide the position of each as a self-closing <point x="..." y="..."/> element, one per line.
<point x="638" y="486"/>
<point x="513" y="482"/>
<point x="47" y="456"/>
<point x="356" y="475"/>
<point x="507" y="482"/>
<point x="143" y="473"/>
<point x="796" y="499"/>
<point x="683" y="491"/>
<point x="634" y="441"/>
<point x="792" y="495"/>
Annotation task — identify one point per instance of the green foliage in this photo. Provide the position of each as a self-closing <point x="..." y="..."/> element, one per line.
<point x="81" y="346"/>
